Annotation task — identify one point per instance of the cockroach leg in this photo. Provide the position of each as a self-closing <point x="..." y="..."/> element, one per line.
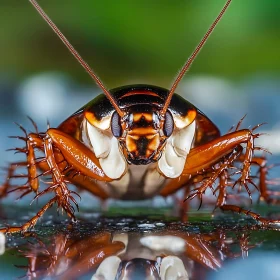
<point x="62" y="192"/>
<point x="34" y="124"/>
<point x="265" y="194"/>
<point x="255" y="216"/>
<point x="262" y="186"/>
<point x="32" y="221"/>
<point x="55" y="164"/>
<point x="184" y="206"/>
<point x="6" y="186"/>
<point x="205" y="156"/>
<point x="226" y="163"/>
<point x="223" y="184"/>
<point x="33" y="141"/>
<point x="214" y="160"/>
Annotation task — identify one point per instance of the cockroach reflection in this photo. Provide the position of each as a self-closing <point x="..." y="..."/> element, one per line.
<point x="163" y="255"/>
<point x="135" y="142"/>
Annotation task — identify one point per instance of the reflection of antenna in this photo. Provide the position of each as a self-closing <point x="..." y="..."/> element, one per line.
<point x="77" y="56"/>
<point x="191" y="58"/>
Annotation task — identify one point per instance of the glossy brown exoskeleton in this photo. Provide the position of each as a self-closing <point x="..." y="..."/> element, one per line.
<point x="135" y="142"/>
<point x="133" y="255"/>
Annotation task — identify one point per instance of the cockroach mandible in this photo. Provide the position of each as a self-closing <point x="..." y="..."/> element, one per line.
<point x="134" y="142"/>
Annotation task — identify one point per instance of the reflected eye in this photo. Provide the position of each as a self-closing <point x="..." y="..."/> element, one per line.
<point x="168" y="125"/>
<point x="116" y="125"/>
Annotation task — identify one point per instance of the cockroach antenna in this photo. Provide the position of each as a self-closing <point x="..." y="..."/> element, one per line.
<point x="77" y="56"/>
<point x="192" y="58"/>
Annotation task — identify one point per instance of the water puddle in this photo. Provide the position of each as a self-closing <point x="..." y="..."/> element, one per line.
<point x="140" y="247"/>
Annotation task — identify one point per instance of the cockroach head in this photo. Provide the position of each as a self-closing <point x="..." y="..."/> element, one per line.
<point x="142" y="132"/>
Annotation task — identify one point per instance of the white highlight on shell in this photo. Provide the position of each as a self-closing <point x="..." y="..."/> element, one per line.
<point x="108" y="152"/>
<point x="2" y="243"/>
<point x="172" y="268"/>
<point x="108" y="269"/>
<point x="174" y="155"/>
<point x="170" y="243"/>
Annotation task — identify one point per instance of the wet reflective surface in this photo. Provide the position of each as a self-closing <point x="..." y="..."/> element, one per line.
<point x="142" y="247"/>
<point x="227" y="248"/>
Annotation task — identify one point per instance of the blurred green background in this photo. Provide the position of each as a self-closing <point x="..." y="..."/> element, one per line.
<point x="140" y="41"/>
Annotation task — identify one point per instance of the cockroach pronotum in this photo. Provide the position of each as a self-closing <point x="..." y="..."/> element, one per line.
<point x="135" y="142"/>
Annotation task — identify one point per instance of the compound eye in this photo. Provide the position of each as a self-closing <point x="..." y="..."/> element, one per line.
<point x="116" y="125"/>
<point x="168" y="125"/>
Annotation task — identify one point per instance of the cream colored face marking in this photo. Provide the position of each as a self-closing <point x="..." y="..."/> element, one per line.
<point x="101" y="143"/>
<point x="114" y="165"/>
<point x="174" y="155"/>
<point x="183" y="138"/>
<point x="108" y="152"/>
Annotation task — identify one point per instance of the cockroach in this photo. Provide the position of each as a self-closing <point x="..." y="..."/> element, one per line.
<point x="137" y="141"/>
<point x="161" y="255"/>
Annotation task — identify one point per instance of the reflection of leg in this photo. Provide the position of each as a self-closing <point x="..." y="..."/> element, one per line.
<point x="91" y="259"/>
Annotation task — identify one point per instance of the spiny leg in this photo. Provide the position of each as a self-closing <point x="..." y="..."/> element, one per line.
<point x="64" y="195"/>
<point x="249" y="159"/>
<point x="267" y="195"/>
<point x="6" y="187"/>
<point x="221" y="201"/>
<point x="33" y="141"/>
<point x="80" y="167"/>
<point x="217" y="173"/>
<point x="31" y="222"/>
<point x="207" y="178"/>
<point x="186" y="183"/>
<point x="259" y="180"/>
<point x="207" y="155"/>
<point x="255" y="216"/>
<point x="79" y="159"/>
<point x="62" y="153"/>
